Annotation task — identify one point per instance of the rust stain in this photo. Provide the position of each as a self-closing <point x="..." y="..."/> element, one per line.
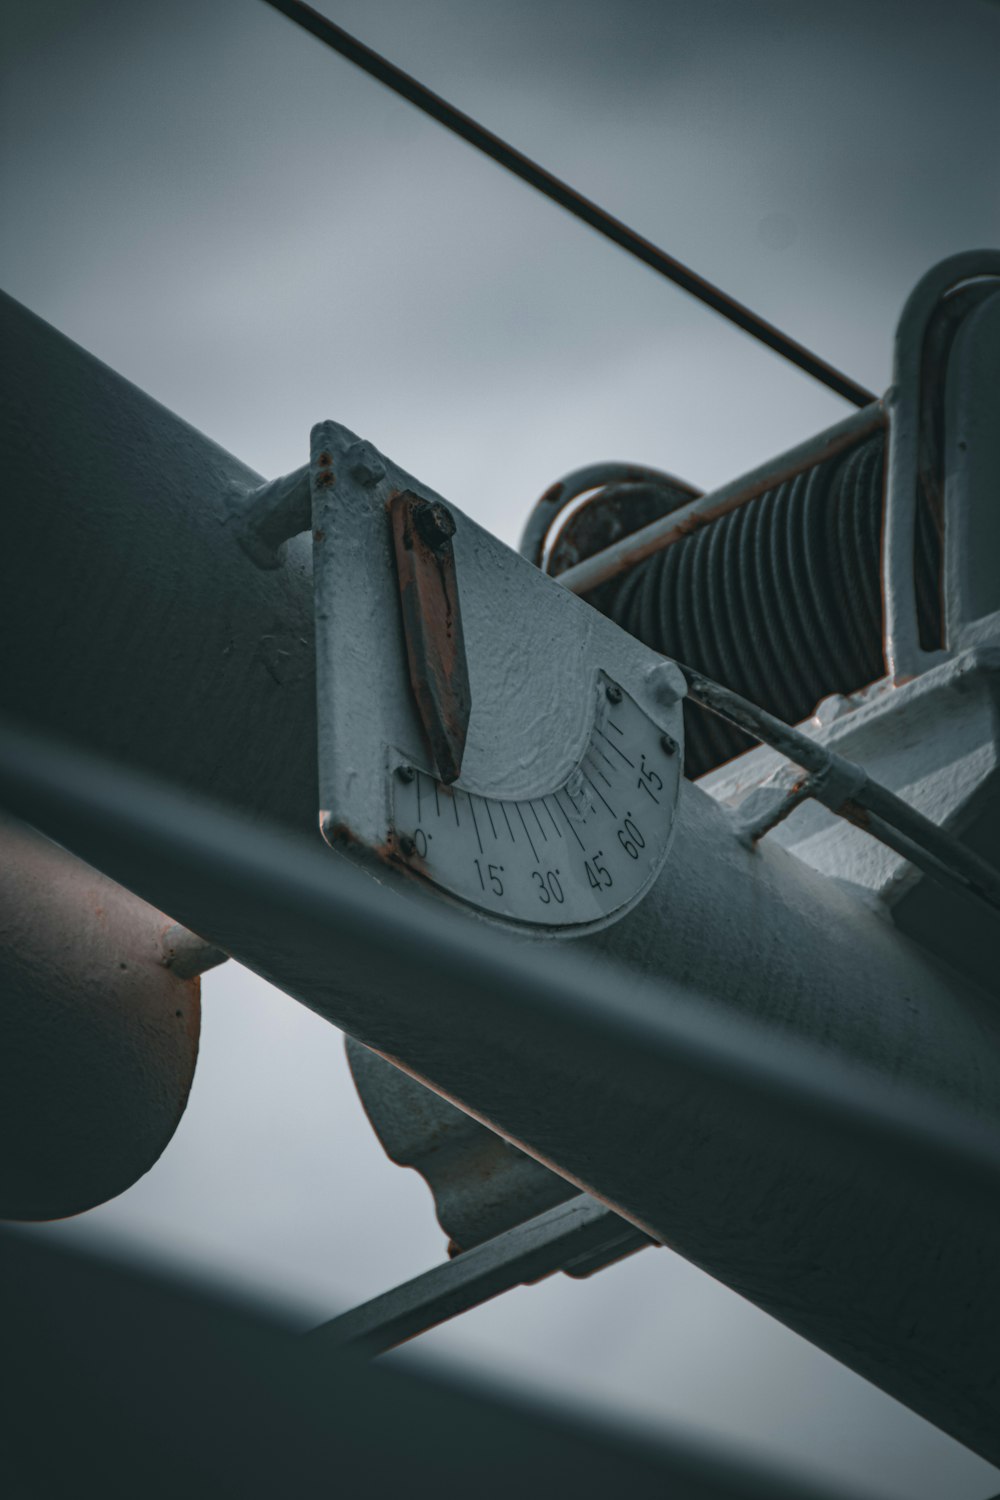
<point x="432" y="625"/>
<point x="338" y="833"/>
<point x="856" y="814"/>
<point x="399" y="852"/>
<point x="325" y="476"/>
<point x="402" y="852"/>
<point x="617" y="510"/>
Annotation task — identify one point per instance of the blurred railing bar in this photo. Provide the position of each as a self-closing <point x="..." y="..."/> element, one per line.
<point x="172" y="847"/>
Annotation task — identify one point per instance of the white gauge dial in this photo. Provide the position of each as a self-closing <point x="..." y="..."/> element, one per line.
<point x="479" y="727"/>
<point x="571" y="855"/>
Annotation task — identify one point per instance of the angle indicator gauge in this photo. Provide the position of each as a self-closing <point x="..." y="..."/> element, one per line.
<point x="480" y="729"/>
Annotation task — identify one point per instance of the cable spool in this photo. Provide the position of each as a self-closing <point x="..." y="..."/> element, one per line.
<point x="780" y="599"/>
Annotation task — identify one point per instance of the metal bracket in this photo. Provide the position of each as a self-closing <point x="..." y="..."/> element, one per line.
<point x="565" y="1238"/>
<point x="904" y="655"/>
<point x="847" y="790"/>
<point x="432" y="624"/>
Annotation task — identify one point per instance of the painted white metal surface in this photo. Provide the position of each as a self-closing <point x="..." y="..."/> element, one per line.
<point x="565" y="808"/>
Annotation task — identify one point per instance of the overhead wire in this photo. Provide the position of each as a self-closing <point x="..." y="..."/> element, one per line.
<point x="558" y="191"/>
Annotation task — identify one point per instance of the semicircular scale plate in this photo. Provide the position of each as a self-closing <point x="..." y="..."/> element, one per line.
<point x="572" y="854"/>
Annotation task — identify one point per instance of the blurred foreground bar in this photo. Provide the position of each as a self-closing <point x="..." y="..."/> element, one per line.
<point x="151" y="1388"/>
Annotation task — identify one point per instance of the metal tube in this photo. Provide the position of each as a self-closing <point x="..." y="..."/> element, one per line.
<point x="680" y="523"/>
<point x="682" y="1115"/>
<point x="845" y="788"/>
<point x="904" y="655"/>
<point x="145" y="833"/>
<point x="144" y="631"/>
<point x="138" y="616"/>
<point x="107" y="1356"/>
<point x="99" y="1031"/>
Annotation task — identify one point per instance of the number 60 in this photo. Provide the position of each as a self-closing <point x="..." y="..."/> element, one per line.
<point x="631" y="839"/>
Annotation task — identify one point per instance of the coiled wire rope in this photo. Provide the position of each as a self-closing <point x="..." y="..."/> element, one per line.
<point x="780" y="600"/>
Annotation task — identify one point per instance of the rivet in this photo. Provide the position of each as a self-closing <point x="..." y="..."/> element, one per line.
<point x="664" y="684"/>
<point x="365" y="465"/>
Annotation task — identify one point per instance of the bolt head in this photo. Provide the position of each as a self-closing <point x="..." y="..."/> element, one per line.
<point x="434" y="523"/>
<point x="365" y="465"/>
<point x="665" y="684"/>
<point x="614" y="692"/>
<point x="405" y="773"/>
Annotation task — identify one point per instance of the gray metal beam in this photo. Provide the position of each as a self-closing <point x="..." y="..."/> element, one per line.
<point x="570" y="1233"/>
<point x="653" y="1106"/>
<point x="141" y="628"/>
<point x="159" y="1388"/>
<point x="753" y="1066"/>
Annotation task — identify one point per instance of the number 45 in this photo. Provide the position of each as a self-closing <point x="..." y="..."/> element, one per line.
<point x="597" y="874"/>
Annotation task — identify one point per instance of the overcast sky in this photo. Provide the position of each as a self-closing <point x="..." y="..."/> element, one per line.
<point x="260" y="237"/>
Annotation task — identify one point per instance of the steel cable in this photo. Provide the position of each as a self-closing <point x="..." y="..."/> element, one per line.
<point x="507" y="156"/>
